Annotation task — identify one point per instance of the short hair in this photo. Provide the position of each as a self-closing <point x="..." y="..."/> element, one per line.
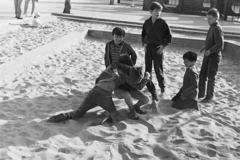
<point x="213" y="12"/>
<point x="136" y="74"/>
<point x="118" y="31"/>
<point x="125" y="59"/>
<point x="191" y="56"/>
<point x="155" y="5"/>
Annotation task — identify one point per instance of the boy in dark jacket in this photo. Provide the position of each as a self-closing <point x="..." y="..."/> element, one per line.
<point x="156" y="35"/>
<point x="214" y="44"/>
<point x="187" y="96"/>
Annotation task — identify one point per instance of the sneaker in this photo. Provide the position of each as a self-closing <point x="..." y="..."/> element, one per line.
<point x="133" y="115"/>
<point x="138" y="110"/>
<point x="207" y="100"/>
<point x="59" y="118"/>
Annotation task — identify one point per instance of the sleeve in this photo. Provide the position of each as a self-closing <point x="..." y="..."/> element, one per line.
<point x="105" y="55"/>
<point x="218" y="39"/>
<point x="123" y="67"/>
<point x="133" y="54"/>
<point x="152" y="89"/>
<point x="167" y="34"/>
<point x="194" y="84"/>
<point x="144" y="33"/>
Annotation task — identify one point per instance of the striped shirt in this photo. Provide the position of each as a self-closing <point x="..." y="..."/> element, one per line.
<point x="115" y="51"/>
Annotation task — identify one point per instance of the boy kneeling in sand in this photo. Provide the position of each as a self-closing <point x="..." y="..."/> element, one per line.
<point x="101" y="93"/>
<point x="187" y="96"/>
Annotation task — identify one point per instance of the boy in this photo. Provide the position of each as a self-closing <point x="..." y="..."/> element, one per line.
<point x="101" y="93"/>
<point x="128" y="93"/>
<point x="214" y="44"/>
<point x="187" y="96"/>
<point x="117" y="47"/>
<point x="156" y="35"/>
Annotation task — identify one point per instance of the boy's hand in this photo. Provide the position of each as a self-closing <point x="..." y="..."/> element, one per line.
<point x="155" y="108"/>
<point x="207" y="53"/>
<point x="115" y="73"/>
<point x="147" y="75"/>
<point x="201" y="51"/>
<point x="160" y="50"/>
<point x="145" y="48"/>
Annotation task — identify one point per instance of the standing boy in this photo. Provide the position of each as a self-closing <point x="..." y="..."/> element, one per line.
<point x="187" y="96"/>
<point x="212" y="56"/>
<point x="156" y="35"/>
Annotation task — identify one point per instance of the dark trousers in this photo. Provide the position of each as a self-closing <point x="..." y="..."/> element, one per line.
<point x="184" y="104"/>
<point x="96" y="97"/>
<point x="208" y="73"/>
<point x="151" y="55"/>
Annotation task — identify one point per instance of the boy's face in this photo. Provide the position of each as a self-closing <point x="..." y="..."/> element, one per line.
<point x="117" y="39"/>
<point x="155" y="13"/>
<point x="211" y="19"/>
<point x="188" y="63"/>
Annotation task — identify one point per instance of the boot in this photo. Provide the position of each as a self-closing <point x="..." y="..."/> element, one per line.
<point x="133" y="115"/>
<point x="138" y="110"/>
<point x="59" y="118"/>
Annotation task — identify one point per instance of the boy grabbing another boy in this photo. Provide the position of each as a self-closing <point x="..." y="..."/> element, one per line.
<point x="187" y="96"/>
<point x="156" y="35"/>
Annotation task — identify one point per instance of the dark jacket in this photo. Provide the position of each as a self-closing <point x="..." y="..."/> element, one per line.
<point x="150" y="86"/>
<point x="157" y="33"/>
<point x="214" y="40"/>
<point x="126" y="49"/>
<point x="190" y="83"/>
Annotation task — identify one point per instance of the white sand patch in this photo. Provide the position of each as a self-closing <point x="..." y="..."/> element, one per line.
<point x="60" y="82"/>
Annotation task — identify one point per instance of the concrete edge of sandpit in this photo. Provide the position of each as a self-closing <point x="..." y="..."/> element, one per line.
<point x="231" y="49"/>
<point x="34" y="55"/>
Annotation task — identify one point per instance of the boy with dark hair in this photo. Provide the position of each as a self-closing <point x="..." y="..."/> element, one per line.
<point x="214" y="44"/>
<point x="117" y="47"/>
<point x="156" y="35"/>
<point x="101" y="93"/>
<point x="187" y="96"/>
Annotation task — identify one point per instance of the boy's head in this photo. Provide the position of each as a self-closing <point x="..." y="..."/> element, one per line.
<point x="118" y="35"/>
<point x="212" y="16"/>
<point x="189" y="58"/>
<point x="136" y="74"/>
<point x="125" y="59"/>
<point x="155" y="9"/>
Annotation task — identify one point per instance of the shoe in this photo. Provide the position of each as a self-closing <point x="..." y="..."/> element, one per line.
<point x="19" y="18"/>
<point x="138" y="110"/>
<point x="133" y="115"/>
<point x="59" y="118"/>
<point x="207" y="100"/>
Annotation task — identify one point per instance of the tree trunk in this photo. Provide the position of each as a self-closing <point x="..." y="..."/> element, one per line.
<point x="67" y="6"/>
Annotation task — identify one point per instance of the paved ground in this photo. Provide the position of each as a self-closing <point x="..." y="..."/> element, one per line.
<point x="102" y="9"/>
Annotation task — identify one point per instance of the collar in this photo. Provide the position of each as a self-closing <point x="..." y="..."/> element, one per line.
<point x="214" y="24"/>
<point x="120" y="44"/>
<point x="192" y="67"/>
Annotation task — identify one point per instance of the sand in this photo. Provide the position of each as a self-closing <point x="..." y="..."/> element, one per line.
<point x="60" y="81"/>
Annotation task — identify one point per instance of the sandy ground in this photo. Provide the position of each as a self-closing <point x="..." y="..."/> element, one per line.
<point x="60" y="81"/>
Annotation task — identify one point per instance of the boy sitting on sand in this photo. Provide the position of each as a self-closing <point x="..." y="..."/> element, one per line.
<point x="187" y="96"/>
<point x="101" y="93"/>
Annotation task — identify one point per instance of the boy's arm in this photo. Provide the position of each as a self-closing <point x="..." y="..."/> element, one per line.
<point x="123" y="67"/>
<point x="133" y="54"/>
<point x="194" y="84"/>
<point x="144" y="33"/>
<point x="168" y="35"/>
<point x="105" y="56"/>
<point x="151" y="88"/>
<point x="218" y="39"/>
